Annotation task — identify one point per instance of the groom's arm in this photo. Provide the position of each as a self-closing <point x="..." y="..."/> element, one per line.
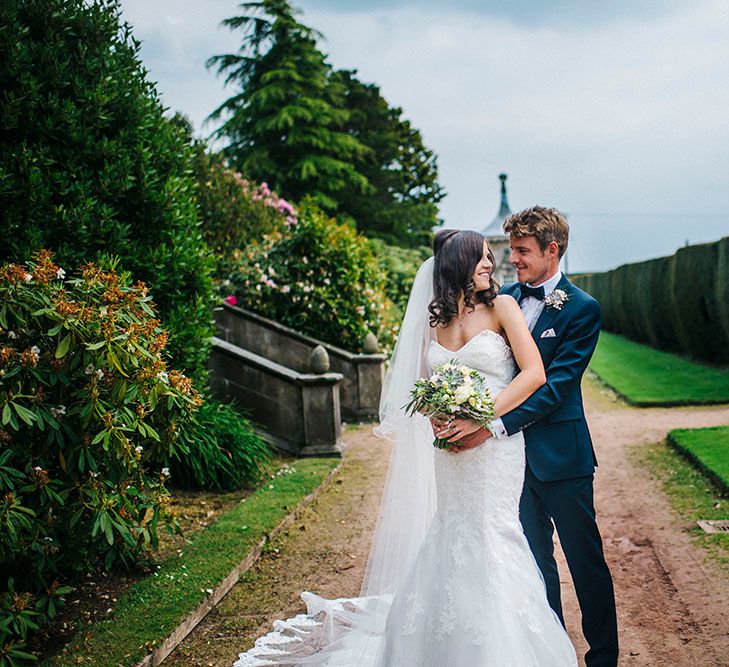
<point x="567" y="367"/>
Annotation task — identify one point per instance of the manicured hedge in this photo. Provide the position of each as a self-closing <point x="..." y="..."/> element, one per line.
<point x="678" y="303"/>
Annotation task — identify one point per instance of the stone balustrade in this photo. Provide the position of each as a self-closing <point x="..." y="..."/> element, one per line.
<point x="299" y="411"/>
<point x="362" y="373"/>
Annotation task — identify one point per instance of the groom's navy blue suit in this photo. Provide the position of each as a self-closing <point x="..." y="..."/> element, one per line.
<point x="560" y="466"/>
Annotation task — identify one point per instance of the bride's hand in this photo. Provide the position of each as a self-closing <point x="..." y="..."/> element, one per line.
<point x="455" y="429"/>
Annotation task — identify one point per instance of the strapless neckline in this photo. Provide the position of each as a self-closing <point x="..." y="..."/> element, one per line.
<point x="471" y="339"/>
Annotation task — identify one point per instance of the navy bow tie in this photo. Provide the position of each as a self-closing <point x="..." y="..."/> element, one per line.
<point x="526" y="290"/>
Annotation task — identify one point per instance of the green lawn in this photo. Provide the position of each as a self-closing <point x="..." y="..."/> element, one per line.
<point x="708" y="448"/>
<point x="691" y="495"/>
<point x="153" y="607"/>
<point x="644" y="376"/>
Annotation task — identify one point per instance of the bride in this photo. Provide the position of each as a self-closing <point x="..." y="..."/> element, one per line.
<point x="450" y="580"/>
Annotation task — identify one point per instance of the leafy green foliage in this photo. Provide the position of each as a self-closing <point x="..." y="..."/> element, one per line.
<point x="402" y="206"/>
<point x="318" y="277"/>
<point x="400" y="266"/>
<point x="234" y="211"/>
<point x="645" y="376"/>
<point x="283" y="124"/>
<point x="223" y="450"/>
<point x="89" y="163"/>
<point x="88" y="408"/>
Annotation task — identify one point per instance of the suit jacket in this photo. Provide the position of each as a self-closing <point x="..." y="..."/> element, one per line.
<point x="558" y="443"/>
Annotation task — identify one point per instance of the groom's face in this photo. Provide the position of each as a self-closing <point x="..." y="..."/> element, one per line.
<point x="532" y="264"/>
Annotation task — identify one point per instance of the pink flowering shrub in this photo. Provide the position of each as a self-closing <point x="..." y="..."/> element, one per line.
<point x="88" y="409"/>
<point x="318" y="277"/>
<point x="234" y="211"/>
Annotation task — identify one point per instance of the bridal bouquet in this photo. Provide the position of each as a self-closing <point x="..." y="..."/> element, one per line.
<point x="453" y="391"/>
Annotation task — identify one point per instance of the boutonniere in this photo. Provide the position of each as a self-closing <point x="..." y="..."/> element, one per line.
<point x="556" y="299"/>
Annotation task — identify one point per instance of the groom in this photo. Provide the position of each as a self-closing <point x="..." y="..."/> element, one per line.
<point x="565" y="323"/>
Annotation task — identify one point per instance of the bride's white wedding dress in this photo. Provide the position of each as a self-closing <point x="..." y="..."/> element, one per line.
<point x="472" y="596"/>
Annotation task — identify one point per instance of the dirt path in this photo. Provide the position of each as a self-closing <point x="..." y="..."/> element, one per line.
<point x="673" y="607"/>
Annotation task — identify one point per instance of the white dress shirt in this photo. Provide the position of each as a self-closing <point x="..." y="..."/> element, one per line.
<point x="532" y="309"/>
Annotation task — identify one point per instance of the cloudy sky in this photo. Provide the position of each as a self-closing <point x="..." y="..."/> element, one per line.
<point x="615" y="112"/>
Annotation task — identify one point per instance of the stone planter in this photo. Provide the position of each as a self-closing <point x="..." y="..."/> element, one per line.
<point x="299" y="411"/>
<point x="362" y="373"/>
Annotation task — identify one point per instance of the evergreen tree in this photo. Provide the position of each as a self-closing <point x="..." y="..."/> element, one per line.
<point x="402" y="207"/>
<point x="284" y="124"/>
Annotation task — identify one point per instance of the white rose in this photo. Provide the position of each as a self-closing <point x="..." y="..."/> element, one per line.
<point x="463" y="393"/>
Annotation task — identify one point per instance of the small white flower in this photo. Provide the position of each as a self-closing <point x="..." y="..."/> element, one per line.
<point x="226" y="282"/>
<point x="89" y="369"/>
<point x="99" y="373"/>
<point x="37" y="468"/>
<point x="59" y="411"/>
<point x="327" y="281"/>
<point x="139" y="449"/>
<point x="163" y="376"/>
<point x="35" y="349"/>
<point x="94" y="474"/>
<point x="28" y="278"/>
<point x="12" y="334"/>
<point x="556" y="299"/>
<point x="286" y="289"/>
<point x="165" y="472"/>
<point x="60" y="274"/>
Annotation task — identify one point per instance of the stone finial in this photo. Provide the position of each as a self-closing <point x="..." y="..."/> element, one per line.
<point x="371" y="345"/>
<point x="319" y="360"/>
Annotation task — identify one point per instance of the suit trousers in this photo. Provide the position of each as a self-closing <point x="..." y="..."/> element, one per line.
<point x="568" y="506"/>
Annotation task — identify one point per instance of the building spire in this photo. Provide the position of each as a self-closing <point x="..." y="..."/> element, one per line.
<point x="493" y="229"/>
<point x="504" y="209"/>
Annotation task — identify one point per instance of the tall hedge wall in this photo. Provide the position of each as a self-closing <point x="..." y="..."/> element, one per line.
<point x="678" y="303"/>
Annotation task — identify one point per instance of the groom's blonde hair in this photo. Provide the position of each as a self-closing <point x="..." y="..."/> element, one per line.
<point x="544" y="224"/>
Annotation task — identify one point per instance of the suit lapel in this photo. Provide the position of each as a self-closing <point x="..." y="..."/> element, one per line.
<point x="548" y="314"/>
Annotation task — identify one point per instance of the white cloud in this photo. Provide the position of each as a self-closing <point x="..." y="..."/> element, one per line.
<point x="626" y="116"/>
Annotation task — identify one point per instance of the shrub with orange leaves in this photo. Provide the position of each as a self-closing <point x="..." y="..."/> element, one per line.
<point x="89" y="413"/>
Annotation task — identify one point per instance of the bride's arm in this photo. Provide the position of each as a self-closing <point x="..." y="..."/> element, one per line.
<point x="531" y="375"/>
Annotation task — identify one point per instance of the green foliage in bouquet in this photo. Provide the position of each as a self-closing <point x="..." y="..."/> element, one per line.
<point x="453" y="391"/>
<point x="223" y="451"/>
<point x="89" y="163"/>
<point x="318" y="277"/>
<point x="88" y="407"/>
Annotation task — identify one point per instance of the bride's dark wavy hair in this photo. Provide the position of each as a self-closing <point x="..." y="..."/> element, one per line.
<point x="456" y="254"/>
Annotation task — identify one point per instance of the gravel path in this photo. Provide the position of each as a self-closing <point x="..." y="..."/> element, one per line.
<point x="673" y="607"/>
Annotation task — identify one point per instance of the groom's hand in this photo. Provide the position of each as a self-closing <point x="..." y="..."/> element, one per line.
<point x="471" y="440"/>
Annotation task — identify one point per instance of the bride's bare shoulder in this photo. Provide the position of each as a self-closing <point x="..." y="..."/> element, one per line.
<point x="505" y="303"/>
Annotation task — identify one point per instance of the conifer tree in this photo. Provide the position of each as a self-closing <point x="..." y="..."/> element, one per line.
<point x="402" y="206"/>
<point x="284" y="124"/>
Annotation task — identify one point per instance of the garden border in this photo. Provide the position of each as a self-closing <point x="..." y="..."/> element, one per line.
<point x="176" y="637"/>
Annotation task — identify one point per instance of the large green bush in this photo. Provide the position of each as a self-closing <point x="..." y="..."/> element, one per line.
<point x="89" y="163"/>
<point x="234" y="211"/>
<point x="88" y="409"/>
<point x="222" y="451"/>
<point x="400" y="266"/>
<point x="319" y="277"/>
<point x="676" y="303"/>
